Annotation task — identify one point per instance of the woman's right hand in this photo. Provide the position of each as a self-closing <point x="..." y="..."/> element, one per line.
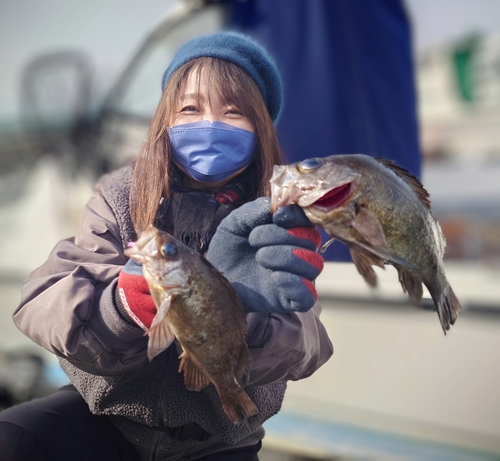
<point x="132" y="297"/>
<point x="270" y="260"/>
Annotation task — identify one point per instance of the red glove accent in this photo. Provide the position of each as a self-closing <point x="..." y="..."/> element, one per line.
<point x="311" y="257"/>
<point x="134" y="295"/>
<point x="310" y="286"/>
<point x="307" y="233"/>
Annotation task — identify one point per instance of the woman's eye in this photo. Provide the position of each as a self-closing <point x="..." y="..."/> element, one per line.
<point x="233" y="111"/>
<point x="188" y="109"/>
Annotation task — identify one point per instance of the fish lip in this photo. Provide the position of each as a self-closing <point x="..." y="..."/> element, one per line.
<point x="344" y="191"/>
<point x="279" y="196"/>
<point x="282" y="198"/>
<point x="318" y="195"/>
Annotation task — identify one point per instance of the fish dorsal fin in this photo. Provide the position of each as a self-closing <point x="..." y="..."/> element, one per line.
<point x="410" y="179"/>
<point x="160" y="333"/>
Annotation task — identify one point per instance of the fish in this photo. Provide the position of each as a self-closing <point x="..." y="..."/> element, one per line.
<point x="381" y="212"/>
<point x="197" y="306"/>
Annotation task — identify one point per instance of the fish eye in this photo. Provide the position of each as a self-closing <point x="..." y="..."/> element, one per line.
<point x="168" y="250"/>
<point x="309" y="164"/>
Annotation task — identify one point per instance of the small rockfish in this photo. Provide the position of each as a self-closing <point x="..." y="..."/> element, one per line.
<point x="199" y="307"/>
<point x="381" y="212"/>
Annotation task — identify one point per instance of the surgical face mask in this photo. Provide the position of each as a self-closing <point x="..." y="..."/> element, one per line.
<point x="211" y="152"/>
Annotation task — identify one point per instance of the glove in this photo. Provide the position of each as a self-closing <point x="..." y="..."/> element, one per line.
<point x="132" y="297"/>
<point x="270" y="260"/>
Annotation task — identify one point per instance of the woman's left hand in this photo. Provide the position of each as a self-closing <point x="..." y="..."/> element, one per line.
<point x="270" y="260"/>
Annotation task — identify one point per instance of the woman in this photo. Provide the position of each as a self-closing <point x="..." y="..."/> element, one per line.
<point x="201" y="175"/>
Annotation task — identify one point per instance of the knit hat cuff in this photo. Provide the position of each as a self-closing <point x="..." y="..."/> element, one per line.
<point x="242" y="51"/>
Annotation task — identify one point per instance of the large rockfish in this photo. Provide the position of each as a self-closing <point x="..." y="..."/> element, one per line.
<point x="198" y="306"/>
<point x="381" y="212"/>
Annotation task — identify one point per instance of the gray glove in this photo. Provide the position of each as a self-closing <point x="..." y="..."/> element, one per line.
<point x="270" y="260"/>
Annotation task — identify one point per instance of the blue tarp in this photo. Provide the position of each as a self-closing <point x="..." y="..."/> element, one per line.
<point x="348" y="78"/>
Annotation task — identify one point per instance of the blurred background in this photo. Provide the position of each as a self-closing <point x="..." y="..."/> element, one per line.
<point x="416" y="81"/>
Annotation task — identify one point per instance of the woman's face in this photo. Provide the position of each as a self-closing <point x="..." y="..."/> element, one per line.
<point x="198" y="103"/>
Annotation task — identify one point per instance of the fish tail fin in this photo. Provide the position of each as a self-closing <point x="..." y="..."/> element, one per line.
<point x="237" y="404"/>
<point x="411" y="285"/>
<point x="447" y="305"/>
<point x="194" y="378"/>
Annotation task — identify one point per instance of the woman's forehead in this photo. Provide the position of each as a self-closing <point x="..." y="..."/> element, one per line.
<point x="201" y="82"/>
<point x="196" y="76"/>
<point x="216" y="80"/>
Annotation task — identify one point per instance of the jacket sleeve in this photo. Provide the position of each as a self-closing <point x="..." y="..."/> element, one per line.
<point x="67" y="308"/>
<point x="67" y="304"/>
<point x="286" y="346"/>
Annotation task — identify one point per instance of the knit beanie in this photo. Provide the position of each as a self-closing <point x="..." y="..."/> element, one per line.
<point x="240" y="50"/>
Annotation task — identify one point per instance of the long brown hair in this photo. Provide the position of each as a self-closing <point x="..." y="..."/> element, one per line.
<point x="152" y="174"/>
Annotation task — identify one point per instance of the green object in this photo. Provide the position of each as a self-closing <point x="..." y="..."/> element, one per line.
<point x="463" y="61"/>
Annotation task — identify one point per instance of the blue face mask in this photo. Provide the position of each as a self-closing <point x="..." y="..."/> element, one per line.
<point x="211" y="152"/>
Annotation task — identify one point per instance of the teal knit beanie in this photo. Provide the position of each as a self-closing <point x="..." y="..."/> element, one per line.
<point x="242" y="51"/>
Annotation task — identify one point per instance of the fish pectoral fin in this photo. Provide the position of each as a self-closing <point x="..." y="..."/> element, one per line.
<point x="162" y="311"/>
<point x="368" y="226"/>
<point x="161" y="334"/>
<point x="195" y="379"/>
<point x="370" y="229"/>
<point x="364" y="260"/>
<point x="386" y="255"/>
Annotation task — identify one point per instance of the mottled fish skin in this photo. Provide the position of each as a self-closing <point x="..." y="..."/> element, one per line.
<point x="198" y="306"/>
<point x="381" y="212"/>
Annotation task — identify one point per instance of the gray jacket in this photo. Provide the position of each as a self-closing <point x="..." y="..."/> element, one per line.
<point x="67" y="307"/>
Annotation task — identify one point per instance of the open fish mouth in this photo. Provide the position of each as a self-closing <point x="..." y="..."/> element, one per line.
<point x="309" y="187"/>
<point x="333" y="198"/>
